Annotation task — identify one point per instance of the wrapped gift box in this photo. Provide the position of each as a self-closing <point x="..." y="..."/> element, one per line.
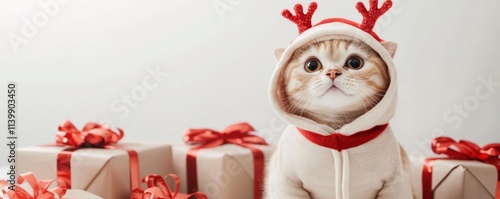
<point x="104" y="172"/>
<point x="457" y="179"/>
<point x="31" y="187"/>
<point x="79" y="194"/>
<point x="70" y="194"/>
<point x="224" y="172"/>
<point x="158" y="188"/>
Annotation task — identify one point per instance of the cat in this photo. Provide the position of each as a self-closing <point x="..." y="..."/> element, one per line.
<point x="333" y="74"/>
<point x="326" y="86"/>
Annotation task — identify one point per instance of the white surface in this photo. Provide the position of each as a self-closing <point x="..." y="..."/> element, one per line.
<point x="90" y="53"/>
<point x="3" y="172"/>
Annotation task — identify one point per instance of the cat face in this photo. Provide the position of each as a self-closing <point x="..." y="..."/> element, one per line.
<point x="333" y="80"/>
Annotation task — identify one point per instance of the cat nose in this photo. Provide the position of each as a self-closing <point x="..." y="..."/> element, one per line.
<point x="332" y="73"/>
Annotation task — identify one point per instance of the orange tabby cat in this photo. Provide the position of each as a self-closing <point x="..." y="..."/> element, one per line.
<point x="333" y="82"/>
<point x="336" y="86"/>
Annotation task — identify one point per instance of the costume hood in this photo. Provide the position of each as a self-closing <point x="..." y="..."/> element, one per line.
<point x="338" y="28"/>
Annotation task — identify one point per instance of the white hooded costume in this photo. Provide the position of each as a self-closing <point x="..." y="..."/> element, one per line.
<point x="364" y="159"/>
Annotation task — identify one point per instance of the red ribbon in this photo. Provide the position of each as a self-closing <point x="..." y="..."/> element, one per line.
<point x="238" y="134"/>
<point x="41" y="189"/>
<point x="158" y="189"/>
<point x="461" y="150"/>
<point x="341" y="142"/>
<point x="92" y="135"/>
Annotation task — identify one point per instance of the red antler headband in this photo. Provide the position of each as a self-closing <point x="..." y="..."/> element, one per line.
<point x="303" y="20"/>
<point x="371" y="16"/>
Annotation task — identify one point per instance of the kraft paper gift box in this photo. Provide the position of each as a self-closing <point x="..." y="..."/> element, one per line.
<point x="224" y="172"/>
<point x="465" y="170"/>
<point x="158" y="188"/>
<point x="31" y="187"/>
<point x="223" y="165"/>
<point x="456" y="179"/>
<point x="79" y="194"/>
<point x="104" y="172"/>
<point x="75" y="194"/>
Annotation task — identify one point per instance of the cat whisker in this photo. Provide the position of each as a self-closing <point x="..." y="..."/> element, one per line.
<point x="298" y="97"/>
<point x="361" y="100"/>
<point x="378" y="90"/>
<point x="374" y="92"/>
<point x="369" y="93"/>
<point x="303" y="107"/>
<point x="372" y="100"/>
<point x="373" y="88"/>
<point x="304" y="98"/>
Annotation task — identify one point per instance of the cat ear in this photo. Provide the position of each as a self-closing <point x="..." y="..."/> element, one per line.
<point x="390" y="47"/>
<point x="278" y="52"/>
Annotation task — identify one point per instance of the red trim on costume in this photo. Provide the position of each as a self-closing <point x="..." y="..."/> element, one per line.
<point x="341" y="142"/>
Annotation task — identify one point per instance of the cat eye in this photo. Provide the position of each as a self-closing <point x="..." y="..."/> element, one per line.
<point x="354" y="62"/>
<point x="312" y="65"/>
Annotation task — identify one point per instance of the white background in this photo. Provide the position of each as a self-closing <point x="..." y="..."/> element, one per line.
<point x="86" y="55"/>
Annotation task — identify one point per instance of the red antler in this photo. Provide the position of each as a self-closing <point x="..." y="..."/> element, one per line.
<point x="302" y="20"/>
<point x="371" y="16"/>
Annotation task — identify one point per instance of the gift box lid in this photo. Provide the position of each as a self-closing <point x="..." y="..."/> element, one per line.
<point x="79" y="194"/>
<point x="94" y="160"/>
<point x="473" y="172"/>
<point x="229" y="152"/>
<point x="70" y="193"/>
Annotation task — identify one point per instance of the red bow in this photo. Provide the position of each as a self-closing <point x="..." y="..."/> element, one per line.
<point x="235" y="134"/>
<point x="461" y="150"/>
<point x="158" y="189"/>
<point x="93" y="135"/>
<point x="467" y="150"/>
<point x="238" y="134"/>
<point x="40" y="188"/>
